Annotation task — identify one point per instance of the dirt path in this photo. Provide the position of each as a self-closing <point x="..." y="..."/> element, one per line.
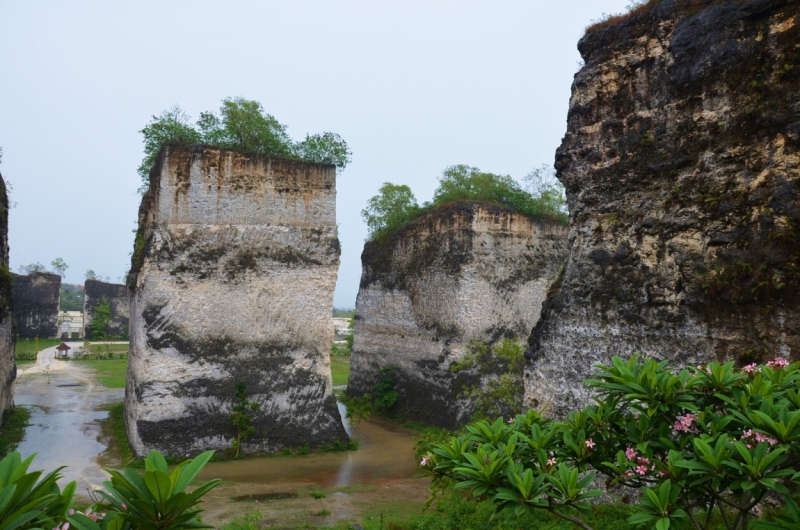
<point x="64" y="429"/>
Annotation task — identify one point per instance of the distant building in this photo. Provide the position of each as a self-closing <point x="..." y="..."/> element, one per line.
<point x="70" y="325"/>
<point x="62" y="352"/>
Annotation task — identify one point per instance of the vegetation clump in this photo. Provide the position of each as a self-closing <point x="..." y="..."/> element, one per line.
<point x="499" y="371"/>
<point x="241" y="125"/>
<point x="636" y="7"/>
<point x="704" y="445"/>
<point x="242" y="418"/>
<point x="395" y="205"/>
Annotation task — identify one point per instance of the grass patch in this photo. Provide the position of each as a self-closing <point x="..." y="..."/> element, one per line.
<point x="110" y="373"/>
<point x="114" y="434"/>
<point x="340" y="370"/>
<point x="25" y="349"/>
<point x="13" y="430"/>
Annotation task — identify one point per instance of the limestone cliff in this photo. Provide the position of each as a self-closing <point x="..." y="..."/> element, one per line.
<point x="232" y="281"/>
<point x="682" y="168"/>
<point x="8" y="368"/>
<point x="436" y="301"/>
<point x="116" y="296"/>
<point x="36" y="300"/>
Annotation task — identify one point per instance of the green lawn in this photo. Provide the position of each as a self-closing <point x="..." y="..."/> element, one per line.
<point x="340" y="368"/>
<point x="25" y="349"/>
<point x="13" y="430"/>
<point x="104" y="349"/>
<point x="109" y="372"/>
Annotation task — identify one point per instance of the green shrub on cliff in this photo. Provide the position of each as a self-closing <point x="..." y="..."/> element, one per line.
<point x="395" y="205"/>
<point x="242" y="125"/>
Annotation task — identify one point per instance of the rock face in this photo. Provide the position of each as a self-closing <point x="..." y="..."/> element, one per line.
<point x="232" y="281"/>
<point x="96" y="294"/>
<point x="8" y="368"/>
<point x="36" y="300"/>
<point x="436" y="301"/>
<point x="682" y="168"/>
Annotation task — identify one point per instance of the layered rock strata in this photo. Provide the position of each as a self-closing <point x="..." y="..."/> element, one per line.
<point x="97" y="293"/>
<point x="8" y="368"/>
<point x="36" y="300"/>
<point x="232" y="281"/>
<point x="437" y="300"/>
<point x="682" y="168"/>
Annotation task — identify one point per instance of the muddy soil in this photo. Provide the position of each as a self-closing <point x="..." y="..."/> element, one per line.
<point x="355" y="483"/>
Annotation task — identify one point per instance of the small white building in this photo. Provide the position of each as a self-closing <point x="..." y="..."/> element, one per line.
<point x="70" y="324"/>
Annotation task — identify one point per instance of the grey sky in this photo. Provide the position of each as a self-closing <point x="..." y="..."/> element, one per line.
<point x="413" y="86"/>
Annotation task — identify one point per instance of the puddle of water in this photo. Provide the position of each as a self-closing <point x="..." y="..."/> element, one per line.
<point x="64" y="427"/>
<point x="385" y="452"/>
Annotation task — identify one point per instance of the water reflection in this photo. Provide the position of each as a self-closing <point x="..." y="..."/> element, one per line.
<point x="63" y="429"/>
<point x="385" y="452"/>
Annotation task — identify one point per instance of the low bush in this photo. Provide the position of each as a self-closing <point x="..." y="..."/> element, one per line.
<point x="157" y="500"/>
<point x="704" y="445"/>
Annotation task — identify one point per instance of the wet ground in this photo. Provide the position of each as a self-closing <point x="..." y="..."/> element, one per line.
<point x="67" y="404"/>
<point x="64" y="400"/>
<point x="378" y="477"/>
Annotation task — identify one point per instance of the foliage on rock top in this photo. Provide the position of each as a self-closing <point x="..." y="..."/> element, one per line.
<point x="703" y="443"/>
<point x="395" y="205"/>
<point x="241" y="125"/>
<point x="636" y="7"/>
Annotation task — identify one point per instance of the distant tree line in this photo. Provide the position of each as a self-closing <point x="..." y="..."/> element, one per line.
<point x="242" y="125"/>
<point x="541" y="195"/>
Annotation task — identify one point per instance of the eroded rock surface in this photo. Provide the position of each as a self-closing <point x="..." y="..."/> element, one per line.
<point x="682" y="172"/>
<point x="36" y="300"/>
<point x="438" y="299"/>
<point x="116" y="296"/>
<point x="8" y="368"/>
<point x="232" y="281"/>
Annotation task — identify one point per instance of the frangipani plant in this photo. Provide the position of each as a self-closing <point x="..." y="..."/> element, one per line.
<point x="699" y="443"/>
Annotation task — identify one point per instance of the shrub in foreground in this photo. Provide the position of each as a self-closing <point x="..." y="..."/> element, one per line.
<point x="703" y="445"/>
<point x="157" y="500"/>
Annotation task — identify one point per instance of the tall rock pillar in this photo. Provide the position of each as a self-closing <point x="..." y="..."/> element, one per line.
<point x="441" y="305"/>
<point x="232" y="281"/>
<point x="681" y="163"/>
<point x="8" y="368"/>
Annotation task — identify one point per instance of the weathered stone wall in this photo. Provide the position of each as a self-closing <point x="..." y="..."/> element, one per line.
<point x="8" y="368"/>
<point x="682" y="168"/>
<point x="36" y="300"/>
<point x="232" y="280"/>
<point x="95" y="293"/>
<point x="461" y="274"/>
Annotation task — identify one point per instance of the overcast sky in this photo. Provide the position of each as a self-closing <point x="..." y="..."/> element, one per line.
<point x="413" y="86"/>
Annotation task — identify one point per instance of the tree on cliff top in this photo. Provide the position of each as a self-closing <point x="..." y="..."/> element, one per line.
<point x="395" y="205"/>
<point x="242" y="125"/>
<point x="391" y="208"/>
